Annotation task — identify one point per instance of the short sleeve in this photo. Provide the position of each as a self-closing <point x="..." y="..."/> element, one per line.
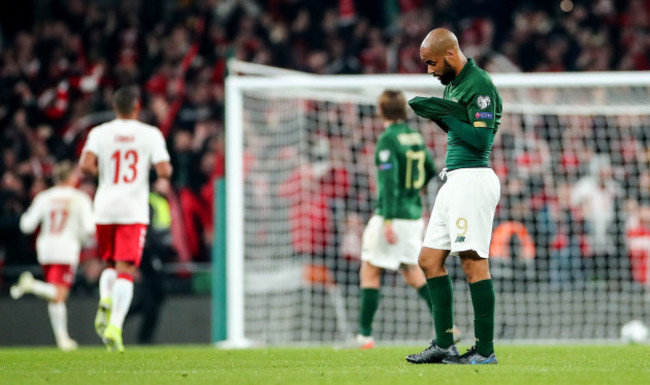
<point x="384" y="153"/>
<point x="159" y="153"/>
<point x="481" y="108"/>
<point x="92" y="144"/>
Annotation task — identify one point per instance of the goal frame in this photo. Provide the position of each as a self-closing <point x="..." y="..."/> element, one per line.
<point x="236" y="86"/>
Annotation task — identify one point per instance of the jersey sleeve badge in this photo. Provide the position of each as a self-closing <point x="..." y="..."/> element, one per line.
<point x="483" y="102"/>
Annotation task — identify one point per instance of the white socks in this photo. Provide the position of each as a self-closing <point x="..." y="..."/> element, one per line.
<point x="119" y="289"/>
<point x="44" y="290"/>
<point x="59" y="320"/>
<point x="106" y="282"/>
<point x="122" y="296"/>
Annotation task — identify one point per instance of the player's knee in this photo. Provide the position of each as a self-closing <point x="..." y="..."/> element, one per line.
<point x="475" y="268"/>
<point x="413" y="276"/>
<point x="415" y="281"/>
<point x="426" y="261"/>
<point x="61" y="295"/>
<point x="125" y="267"/>
<point x="370" y="276"/>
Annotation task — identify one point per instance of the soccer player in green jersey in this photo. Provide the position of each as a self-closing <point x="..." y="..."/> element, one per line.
<point x="461" y="220"/>
<point x="392" y="237"/>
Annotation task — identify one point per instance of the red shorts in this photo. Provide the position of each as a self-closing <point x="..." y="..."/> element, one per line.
<point x="121" y="242"/>
<point x="59" y="274"/>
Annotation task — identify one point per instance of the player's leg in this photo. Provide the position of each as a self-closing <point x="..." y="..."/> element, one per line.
<point x="129" y="242"/>
<point x="121" y="298"/>
<point x="374" y="258"/>
<point x="27" y="284"/>
<point x="105" y="241"/>
<point x="473" y="215"/>
<point x="58" y="281"/>
<point x="483" y="300"/>
<point x="410" y="244"/>
<point x="432" y="262"/>
<point x="435" y="249"/>
<point x="122" y="292"/>
<point x="58" y="313"/>
<point x="106" y="282"/>
<point x="414" y="277"/>
<point x="370" y="282"/>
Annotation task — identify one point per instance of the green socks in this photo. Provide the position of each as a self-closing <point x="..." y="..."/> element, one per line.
<point x="367" y="310"/>
<point x="442" y="300"/>
<point x="439" y="296"/>
<point x="483" y="301"/>
<point x="423" y="291"/>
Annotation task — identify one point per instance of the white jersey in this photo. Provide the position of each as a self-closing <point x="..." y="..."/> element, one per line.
<point x="66" y="219"/>
<point x="125" y="149"/>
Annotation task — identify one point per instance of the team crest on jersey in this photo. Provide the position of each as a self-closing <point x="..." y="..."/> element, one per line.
<point x="384" y="155"/>
<point x="483" y="102"/>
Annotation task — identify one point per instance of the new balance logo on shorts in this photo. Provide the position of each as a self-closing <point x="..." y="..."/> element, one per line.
<point x="460" y="239"/>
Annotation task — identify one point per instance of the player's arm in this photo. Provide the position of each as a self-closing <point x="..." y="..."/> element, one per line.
<point x="436" y="109"/>
<point x="387" y="164"/>
<point x="163" y="169"/>
<point x="160" y="157"/>
<point x="87" y="222"/>
<point x="476" y="134"/>
<point x="31" y="218"/>
<point x="88" y="163"/>
<point x="388" y="181"/>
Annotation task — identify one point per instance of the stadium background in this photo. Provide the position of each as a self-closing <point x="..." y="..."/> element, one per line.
<point x="60" y="60"/>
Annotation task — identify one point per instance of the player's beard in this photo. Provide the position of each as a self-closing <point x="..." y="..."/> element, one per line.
<point x="448" y="73"/>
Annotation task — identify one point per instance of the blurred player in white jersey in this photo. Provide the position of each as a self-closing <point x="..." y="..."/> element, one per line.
<point x="121" y="153"/>
<point x="65" y="216"/>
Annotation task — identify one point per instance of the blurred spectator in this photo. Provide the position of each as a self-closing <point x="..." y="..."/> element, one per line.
<point x="597" y="195"/>
<point x="638" y="242"/>
<point x="312" y="230"/>
<point x="13" y="202"/>
<point x="567" y="241"/>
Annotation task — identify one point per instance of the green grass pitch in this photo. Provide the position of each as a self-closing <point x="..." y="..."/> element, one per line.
<point x="528" y="365"/>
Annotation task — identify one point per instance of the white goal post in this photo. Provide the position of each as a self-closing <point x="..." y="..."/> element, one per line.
<point x="537" y="108"/>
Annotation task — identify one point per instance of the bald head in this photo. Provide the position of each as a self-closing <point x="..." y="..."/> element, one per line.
<point x="439" y="41"/>
<point x="442" y="55"/>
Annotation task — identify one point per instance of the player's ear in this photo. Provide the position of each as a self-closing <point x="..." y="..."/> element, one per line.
<point x="451" y="55"/>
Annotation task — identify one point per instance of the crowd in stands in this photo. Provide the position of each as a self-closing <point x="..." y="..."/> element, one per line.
<point x="61" y="60"/>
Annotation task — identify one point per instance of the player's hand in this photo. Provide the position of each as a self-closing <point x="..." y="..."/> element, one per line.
<point x="389" y="233"/>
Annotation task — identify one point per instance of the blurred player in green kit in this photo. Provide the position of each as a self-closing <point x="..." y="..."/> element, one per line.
<point x="392" y="237"/>
<point x="461" y="220"/>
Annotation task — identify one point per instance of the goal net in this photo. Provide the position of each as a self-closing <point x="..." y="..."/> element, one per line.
<point x="571" y="242"/>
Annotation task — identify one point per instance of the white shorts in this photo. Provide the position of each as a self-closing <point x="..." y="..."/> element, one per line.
<point x="380" y="253"/>
<point x="463" y="212"/>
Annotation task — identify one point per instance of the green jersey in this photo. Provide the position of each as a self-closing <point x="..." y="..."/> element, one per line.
<point x="469" y="138"/>
<point x="473" y="88"/>
<point x="404" y="166"/>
